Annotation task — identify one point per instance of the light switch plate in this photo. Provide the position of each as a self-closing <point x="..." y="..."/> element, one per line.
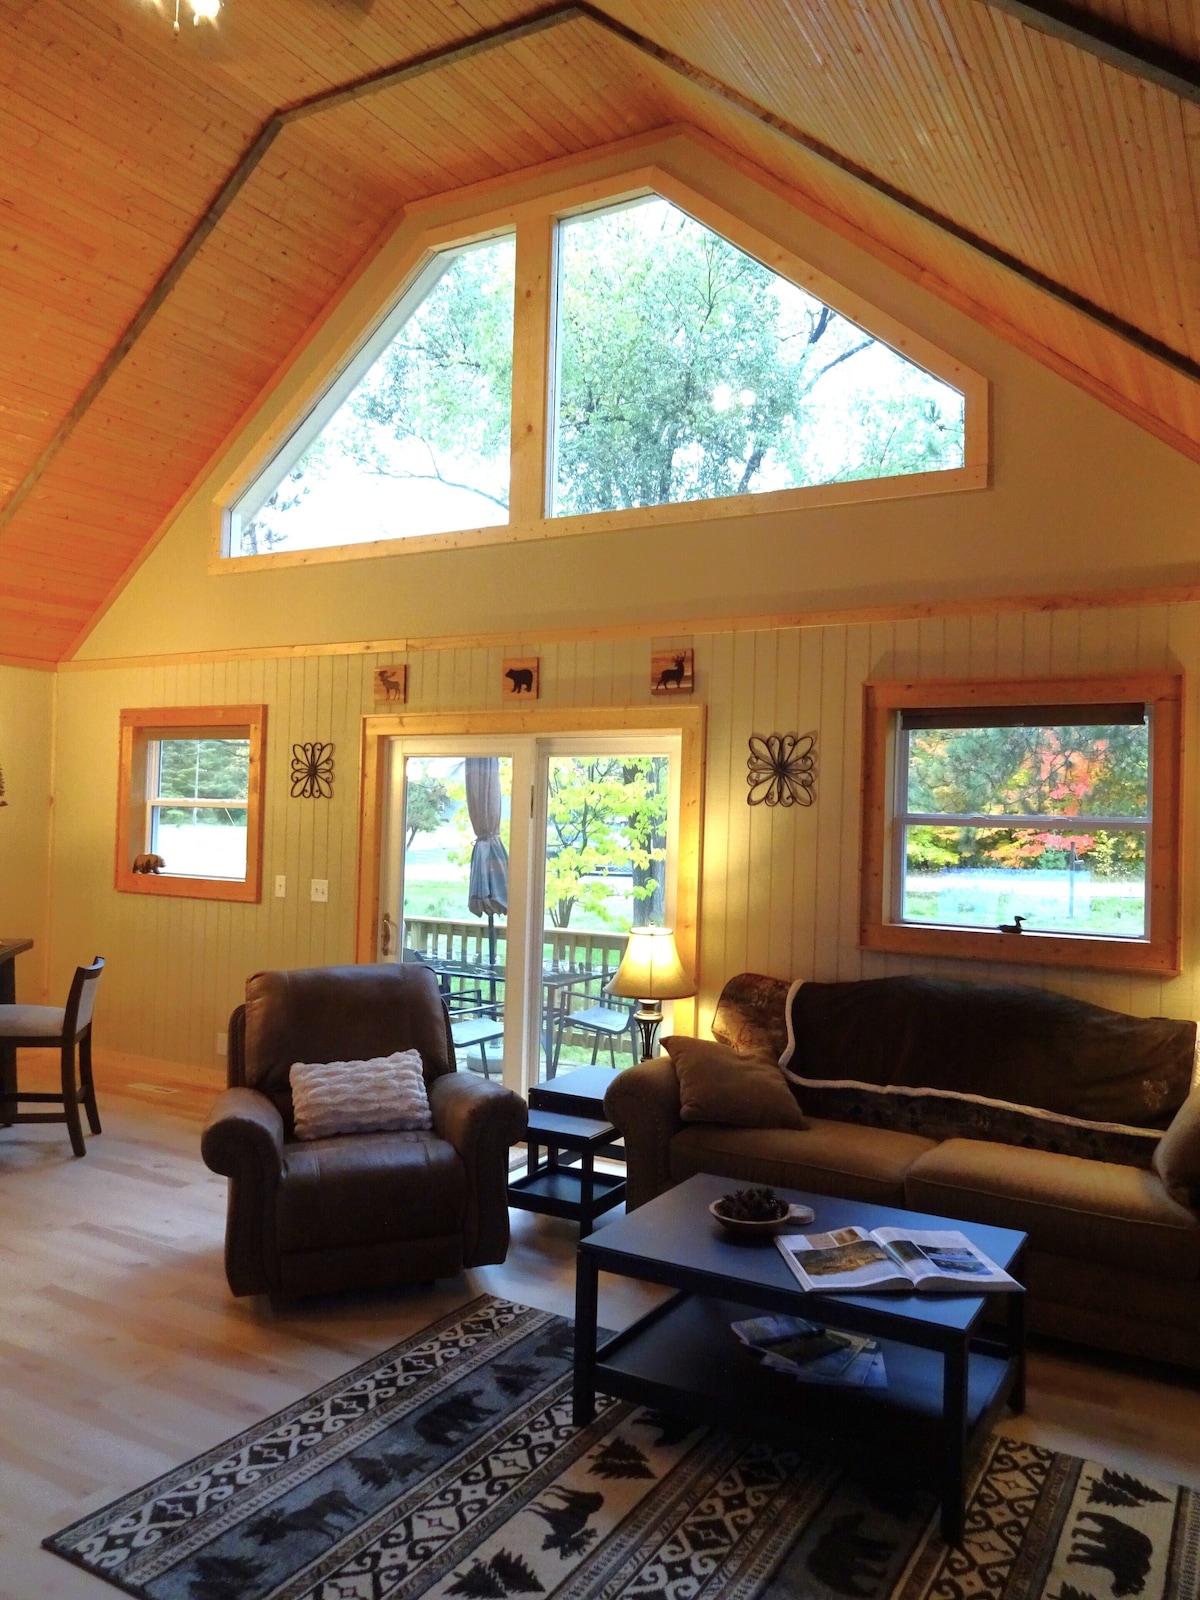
<point x="320" y="889"/>
<point x="222" y="1044"/>
<point x="280" y="886"/>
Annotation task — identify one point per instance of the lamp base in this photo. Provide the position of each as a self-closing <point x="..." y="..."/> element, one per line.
<point x="648" y="1017"/>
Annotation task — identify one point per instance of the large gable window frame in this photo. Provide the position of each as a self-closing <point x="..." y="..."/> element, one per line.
<point x="402" y="275"/>
<point x="282" y="459"/>
<point x="882" y="927"/>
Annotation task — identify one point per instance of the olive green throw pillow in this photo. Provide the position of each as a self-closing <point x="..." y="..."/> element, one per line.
<point x="1177" y="1156"/>
<point x="716" y="1084"/>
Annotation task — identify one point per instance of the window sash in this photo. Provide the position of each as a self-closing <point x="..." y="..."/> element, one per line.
<point x="1126" y="713"/>
<point x="155" y="800"/>
<point x="914" y="720"/>
<point x="387" y="327"/>
<point x="140" y="802"/>
<point x="234" y="802"/>
<point x="153" y="822"/>
<point x="881" y="930"/>
<point x="1017" y="819"/>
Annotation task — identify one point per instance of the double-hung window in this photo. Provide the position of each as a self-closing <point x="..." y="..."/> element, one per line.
<point x="190" y="803"/>
<point x="1031" y="822"/>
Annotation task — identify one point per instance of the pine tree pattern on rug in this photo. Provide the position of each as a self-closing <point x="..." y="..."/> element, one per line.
<point x="449" y="1467"/>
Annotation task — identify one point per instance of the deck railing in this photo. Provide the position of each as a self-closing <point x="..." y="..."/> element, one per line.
<point x="467" y="940"/>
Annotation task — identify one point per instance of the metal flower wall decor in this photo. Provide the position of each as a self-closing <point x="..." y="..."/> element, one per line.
<point x="781" y="769"/>
<point x="312" y="772"/>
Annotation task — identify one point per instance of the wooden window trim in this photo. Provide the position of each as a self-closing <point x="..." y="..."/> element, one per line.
<point x="686" y="721"/>
<point x="138" y="728"/>
<point x="1158" y="954"/>
<point x="505" y="206"/>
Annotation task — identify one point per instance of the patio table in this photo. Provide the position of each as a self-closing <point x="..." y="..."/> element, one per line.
<point x="557" y="984"/>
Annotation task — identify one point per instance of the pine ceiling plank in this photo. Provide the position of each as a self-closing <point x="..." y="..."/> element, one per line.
<point x="1088" y="177"/>
<point x="1167" y="22"/>
<point x="44" y="607"/>
<point x="975" y="170"/>
<point x="1178" y="264"/>
<point x="1114" y="43"/>
<point x="1036" y="85"/>
<point x="41" y="559"/>
<point x="983" y="287"/>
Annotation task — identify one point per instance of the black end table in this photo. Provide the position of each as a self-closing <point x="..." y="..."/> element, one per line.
<point x="561" y="1189"/>
<point x="578" y="1093"/>
<point x="948" y="1376"/>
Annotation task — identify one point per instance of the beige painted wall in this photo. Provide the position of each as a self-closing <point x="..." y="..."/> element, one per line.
<point x="1081" y="499"/>
<point x="779" y="889"/>
<point x="26" y="747"/>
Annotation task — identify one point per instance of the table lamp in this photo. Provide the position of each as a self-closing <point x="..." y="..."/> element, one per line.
<point x="650" y="972"/>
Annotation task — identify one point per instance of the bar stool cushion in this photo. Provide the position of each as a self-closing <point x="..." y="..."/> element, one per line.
<point x="31" y="1022"/>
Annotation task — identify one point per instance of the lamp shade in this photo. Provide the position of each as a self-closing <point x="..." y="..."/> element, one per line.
<point x="650" y="968"/>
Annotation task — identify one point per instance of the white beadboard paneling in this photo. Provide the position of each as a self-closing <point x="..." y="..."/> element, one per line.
<point x="779" y="888"/>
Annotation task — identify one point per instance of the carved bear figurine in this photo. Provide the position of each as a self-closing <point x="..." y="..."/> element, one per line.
<point x="148" y="863"/>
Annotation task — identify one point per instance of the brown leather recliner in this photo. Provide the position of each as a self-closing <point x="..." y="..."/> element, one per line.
<point x="357" y="1210"/>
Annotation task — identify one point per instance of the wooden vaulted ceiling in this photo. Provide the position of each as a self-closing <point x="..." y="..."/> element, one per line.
<point x="924" y="128"/>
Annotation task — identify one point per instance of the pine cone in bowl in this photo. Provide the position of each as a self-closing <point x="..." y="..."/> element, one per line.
<point x="752" y="1205"/>
<point x="757" y="1213"/>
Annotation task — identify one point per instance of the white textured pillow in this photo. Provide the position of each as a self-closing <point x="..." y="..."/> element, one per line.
<point x="384" y="1095"/>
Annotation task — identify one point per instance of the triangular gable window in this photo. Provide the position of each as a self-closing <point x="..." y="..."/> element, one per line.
<point x="414" y="438"/>
<point x="689" y="371"/>
<point x="658" y="364"/>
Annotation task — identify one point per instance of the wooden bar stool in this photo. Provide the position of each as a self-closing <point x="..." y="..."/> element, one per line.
<point x="59" y="1028"/>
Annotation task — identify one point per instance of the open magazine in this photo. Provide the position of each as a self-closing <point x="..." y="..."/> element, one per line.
<point x="851" y="1260"/>
<point x="803" y="1349"/>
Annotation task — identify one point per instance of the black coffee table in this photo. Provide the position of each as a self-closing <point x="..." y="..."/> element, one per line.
<point x="948" y="1376"/>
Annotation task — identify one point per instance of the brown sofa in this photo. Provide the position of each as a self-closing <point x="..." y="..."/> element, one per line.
<point x="358" y="1210"/>
<point x="1016" y="1129"/>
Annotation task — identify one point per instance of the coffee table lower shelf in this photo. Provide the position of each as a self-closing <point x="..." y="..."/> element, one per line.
<point x="684" y="1357"/>
<point x="686" y="1351"/>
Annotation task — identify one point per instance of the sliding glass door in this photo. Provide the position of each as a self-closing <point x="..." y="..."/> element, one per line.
<point x="453" y="850"/>
<point x="605" y="816"/>
<point x="514" y="868"/>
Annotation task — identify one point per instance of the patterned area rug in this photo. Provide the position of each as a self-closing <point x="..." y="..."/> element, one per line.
<point x="449" y="1467"/>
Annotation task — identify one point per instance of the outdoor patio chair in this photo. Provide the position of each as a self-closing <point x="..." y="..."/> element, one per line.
<point x="603" y="1022"/>
<point x="469" y="1032"/>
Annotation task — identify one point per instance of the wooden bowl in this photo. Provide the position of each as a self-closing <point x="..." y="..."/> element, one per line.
<point x="739" y="1228"/>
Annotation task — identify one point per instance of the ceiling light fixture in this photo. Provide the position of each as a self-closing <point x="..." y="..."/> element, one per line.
<point x="202" y="11"/>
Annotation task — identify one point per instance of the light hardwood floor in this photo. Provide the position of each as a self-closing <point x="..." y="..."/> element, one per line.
<point x="122" y="1352"/>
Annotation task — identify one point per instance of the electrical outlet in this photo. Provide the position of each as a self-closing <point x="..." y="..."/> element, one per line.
<point x="222" y="1044"/>
<point x="280" y="886"/>
<point x="320" y="889"/>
